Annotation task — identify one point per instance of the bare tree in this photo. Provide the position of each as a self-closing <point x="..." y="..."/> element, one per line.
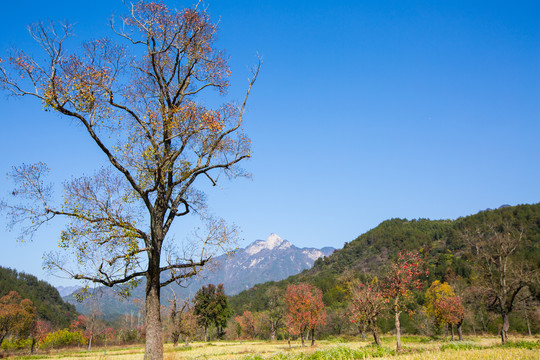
<point x="182" y="320"/>
<point x="501" y="274"/>
<point x="136" y="100"/>
<point x="94" y="323"/>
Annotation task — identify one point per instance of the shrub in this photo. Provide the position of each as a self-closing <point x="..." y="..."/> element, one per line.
<point x="523" y="344"/>
<point x="62" y="338"/>
<point x="17" y="344"/>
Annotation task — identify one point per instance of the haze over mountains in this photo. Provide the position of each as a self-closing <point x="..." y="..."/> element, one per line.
<point x="272" y="259"/>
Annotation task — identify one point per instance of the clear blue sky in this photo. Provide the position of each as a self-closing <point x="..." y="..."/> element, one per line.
<point x="364" y="111"/>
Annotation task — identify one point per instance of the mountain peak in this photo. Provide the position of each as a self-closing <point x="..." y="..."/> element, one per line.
<point x="273" y="241"/>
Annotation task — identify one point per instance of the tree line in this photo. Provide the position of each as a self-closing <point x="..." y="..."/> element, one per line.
<point x="480" y="274"/>
<point x="49" y="305"/>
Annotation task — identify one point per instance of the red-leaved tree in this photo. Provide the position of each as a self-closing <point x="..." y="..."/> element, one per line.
<point x="247" y="324"/>
<point x="404" y="275"/>
<point x="305" y="310"/>
<point x="367" y="302"/>
<point x="451" y="312"/>
<point x="442" y="303"/>
<point x="80" y="325"/>
<point x="40" y="330"/>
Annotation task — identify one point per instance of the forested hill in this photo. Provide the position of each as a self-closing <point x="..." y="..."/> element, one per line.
<point x="439" y="241"/>
<point x="47" y="300"/>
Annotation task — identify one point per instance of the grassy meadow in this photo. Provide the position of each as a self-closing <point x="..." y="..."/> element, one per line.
<point x="415" y="347"/>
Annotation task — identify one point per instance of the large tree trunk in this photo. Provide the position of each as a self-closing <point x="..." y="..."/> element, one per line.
<point x="505" y="327"/>
<point x="398" y="328"/>
<point x="154" y="332"/>
<point x="313" y="337"/>
<point x="460" y="330"/>
<point x="90" y="342"/>
<point x="187" y="341"/>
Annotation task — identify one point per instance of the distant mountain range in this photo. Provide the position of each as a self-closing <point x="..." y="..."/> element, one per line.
<point x="272" y="259"/>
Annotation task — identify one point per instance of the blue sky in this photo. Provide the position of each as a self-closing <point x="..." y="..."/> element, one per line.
<point x="363" y="111"/>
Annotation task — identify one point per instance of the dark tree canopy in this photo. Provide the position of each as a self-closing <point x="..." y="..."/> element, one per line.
<point x="211" y="307"/>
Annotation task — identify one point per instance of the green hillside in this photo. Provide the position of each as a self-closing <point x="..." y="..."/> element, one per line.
<point x="49" y="304"/>
<point x="368" y="255"/>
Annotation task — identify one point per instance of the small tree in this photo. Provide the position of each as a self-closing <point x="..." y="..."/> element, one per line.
<point x="452" y="312"/>
<point x="305" y="310"/>
<point x="337" y="320"/>
<point x="93" y="324"/>
<point x="108" y="334"/>
<point x="182" y="321"/>
<point x="403" y="276"/>
<point x="367" y="303"/>
<point x="247" y="324"/>
<point x="127" y="327"/>
<point x="211" y="307"/>
<point x="445" y="306"/>
<point x="17" y="315"/>
<point x="80" y="325"/>
<point x="275" y="310"/>
<point x="39" y="332"/>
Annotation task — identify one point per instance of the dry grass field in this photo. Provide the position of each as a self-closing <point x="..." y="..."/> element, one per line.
<point x="414" y="348"/>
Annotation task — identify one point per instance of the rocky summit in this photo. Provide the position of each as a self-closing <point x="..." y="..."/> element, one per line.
<point x="272" y="259"/>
